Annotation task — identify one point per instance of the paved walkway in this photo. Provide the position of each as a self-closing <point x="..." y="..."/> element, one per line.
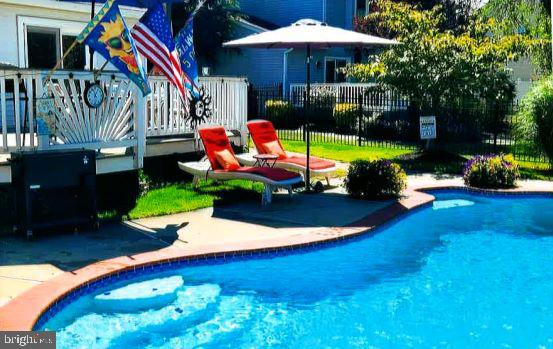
<point x="24" y="264"/>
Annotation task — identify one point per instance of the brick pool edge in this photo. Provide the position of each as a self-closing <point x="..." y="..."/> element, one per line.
<point x="23" y="312"/>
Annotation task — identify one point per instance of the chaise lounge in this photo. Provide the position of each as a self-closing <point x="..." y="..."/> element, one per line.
<point x="266" y="141"/>
<point x="223" y="165"/>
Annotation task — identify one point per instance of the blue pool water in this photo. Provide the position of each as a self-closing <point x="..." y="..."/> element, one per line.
<point x="468" y="272"/>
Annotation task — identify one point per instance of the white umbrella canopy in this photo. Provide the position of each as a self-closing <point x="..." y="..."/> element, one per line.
<point x="317" y="35"/>
<point x="309" y="34"/>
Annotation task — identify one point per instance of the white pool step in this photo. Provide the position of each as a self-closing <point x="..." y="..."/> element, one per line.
<point x="149" y="294"/>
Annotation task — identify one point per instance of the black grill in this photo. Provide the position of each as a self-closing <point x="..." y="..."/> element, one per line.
<point x="54" y="189"/>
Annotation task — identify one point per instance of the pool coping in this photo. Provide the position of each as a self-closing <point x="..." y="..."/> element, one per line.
<point x="24" y="311"/>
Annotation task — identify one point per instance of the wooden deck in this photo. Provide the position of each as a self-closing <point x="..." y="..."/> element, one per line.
<point x="111" y="160"/>
<point x="124" y="130"/>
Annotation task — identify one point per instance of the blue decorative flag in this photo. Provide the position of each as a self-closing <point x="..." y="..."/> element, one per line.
<point x="185" y="47"/>
<point x="107" y="34"/>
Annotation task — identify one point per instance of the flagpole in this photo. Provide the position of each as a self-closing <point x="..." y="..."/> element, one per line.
<point x="99" y="71"/>
<point x="90" y="51"/>
<point x="60" y="61"/>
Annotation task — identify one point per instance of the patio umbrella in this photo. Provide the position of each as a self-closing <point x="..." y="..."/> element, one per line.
<point x="309" y="34"/>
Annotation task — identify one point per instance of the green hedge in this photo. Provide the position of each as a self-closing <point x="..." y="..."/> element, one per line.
<point x="281" y="114"/>
<point x="378" y="179"/>
<point x="537" y="116"/>
<point x="346" y="117"/>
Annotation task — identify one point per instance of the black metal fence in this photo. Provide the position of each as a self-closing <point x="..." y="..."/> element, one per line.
<point x="373" y="117"/>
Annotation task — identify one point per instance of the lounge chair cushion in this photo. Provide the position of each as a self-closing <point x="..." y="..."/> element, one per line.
<point x="262" y="131"/>
<point x="227" y="160"/>
<point x="215" y="139"/>
<point x="274" y="148"/>
<point x="273" y="173"/>
<point x="314" y="163"/>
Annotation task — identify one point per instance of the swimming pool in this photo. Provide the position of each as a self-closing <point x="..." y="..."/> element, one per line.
<point x="471" y="271"/>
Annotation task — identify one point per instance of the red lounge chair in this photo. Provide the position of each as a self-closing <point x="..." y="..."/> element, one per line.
<point x="218" y="149"/>
<point x="266" y="141"/>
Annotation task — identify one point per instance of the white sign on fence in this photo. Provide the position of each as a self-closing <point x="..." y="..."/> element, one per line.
<point x="428" y="127"/>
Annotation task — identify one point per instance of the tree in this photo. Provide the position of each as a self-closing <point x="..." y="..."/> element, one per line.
<point x="536" y="117"/>
<point x="213" y="25"/>
<point x="432" y="66"/>
<point x="456" y="13"/>
<point x="531" y="17"/>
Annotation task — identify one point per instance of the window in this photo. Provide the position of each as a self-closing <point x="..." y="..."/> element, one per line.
<point x="42" y="47"/>
<point x="76" y="58"/>
<point x="43" y="41"/>
<point x="333" y="69"/>
<point x="361" y="7"/>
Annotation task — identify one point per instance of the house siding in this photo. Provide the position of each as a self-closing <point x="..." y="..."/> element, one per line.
<point x="336" y="13"/>
<point x="268" y="64"/>
<point x="349" y="11"/>
<point x="297" y="69"/>
<point x="259" y="66"/>
<point x="11" y="13"/>
<point x="283" y="12"/>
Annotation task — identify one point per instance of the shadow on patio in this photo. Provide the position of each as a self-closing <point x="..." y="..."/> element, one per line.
<point x="329" y="209"/>
<point x="69" y="251"/>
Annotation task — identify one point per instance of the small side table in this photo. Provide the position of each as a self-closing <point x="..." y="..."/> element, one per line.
<point x="265" y="160"/>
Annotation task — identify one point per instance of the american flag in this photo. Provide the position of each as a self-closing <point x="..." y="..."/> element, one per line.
<point x="154" y="41"/>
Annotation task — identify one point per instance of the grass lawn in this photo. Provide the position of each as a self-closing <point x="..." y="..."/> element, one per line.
<point x="408" y="159"/>
<point x="183" y="197"/>
<point x="536" y="170"/>
<point x="345" y="153"/>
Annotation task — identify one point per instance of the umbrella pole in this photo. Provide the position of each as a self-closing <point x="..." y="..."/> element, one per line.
<point x="307" y="131"/>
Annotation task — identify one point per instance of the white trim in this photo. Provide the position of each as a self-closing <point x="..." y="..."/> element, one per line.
<point x="72" y="28"/>
<point x="285" y="71"/>
<point x="333" y="58"/>
<point x="128" y="12"/>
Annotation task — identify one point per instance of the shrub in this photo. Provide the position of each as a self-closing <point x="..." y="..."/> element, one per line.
<point x="281" y="113"/>
<point x="346" y="117"/>
<point x="378" y="179"/>
<point x="536" y="119"/>
<point x="491" y="171"/>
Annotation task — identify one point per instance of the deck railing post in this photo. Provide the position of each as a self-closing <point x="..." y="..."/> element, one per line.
<point x="243" y="111"/>
<point x="139" y="127"/>
<point x="360" y="118"/>
<point x="3" y="111"/>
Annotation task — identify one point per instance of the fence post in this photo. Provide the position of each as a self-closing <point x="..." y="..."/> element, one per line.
<point x="359" y="118"/>
<point x="305" y="111"/>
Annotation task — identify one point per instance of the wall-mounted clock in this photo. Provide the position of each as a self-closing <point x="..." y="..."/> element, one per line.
<point x="94" y="95"/>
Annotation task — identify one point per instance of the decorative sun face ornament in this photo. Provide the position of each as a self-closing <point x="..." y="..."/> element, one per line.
<point x="200" y="108"/>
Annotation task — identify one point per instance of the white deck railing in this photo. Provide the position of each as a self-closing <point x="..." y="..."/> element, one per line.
<point x="124" y="120"/>
<point x="345" y="91"/>
<point x="73" y="124"/>
<point x="166" y="115"/>
<point x="350" y="93"/>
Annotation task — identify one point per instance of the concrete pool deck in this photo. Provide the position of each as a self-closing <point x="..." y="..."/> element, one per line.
<point x="58" y="263"/>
